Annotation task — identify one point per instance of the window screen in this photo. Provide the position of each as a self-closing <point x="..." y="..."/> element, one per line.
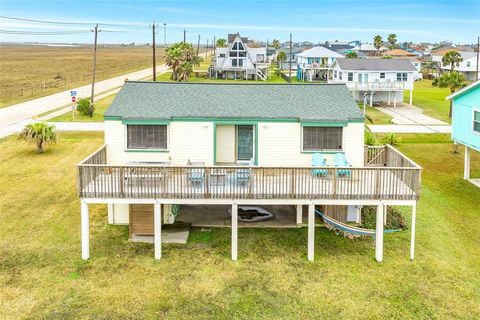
<point x="322" y="138"/>
<point x="146" y="136"/>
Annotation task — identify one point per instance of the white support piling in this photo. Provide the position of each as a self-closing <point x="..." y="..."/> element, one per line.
<point x="466" y="167"/>
<point x="299" y="214"/>
<point x="85" y="231"/>
<point x="311" y="231"/>
<point x="110" y="213"/>
<point x="234" y="231"/>
<point x="411" y="97"/>
<point x="379" y="234"/>
<point x="157" y="230"/>
<point x="385" y="215"/>
<point x="388" y="103"/>
<point x="412" y="236"/>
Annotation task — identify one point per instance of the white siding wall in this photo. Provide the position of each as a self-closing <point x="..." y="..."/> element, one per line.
<point x="119" y="213"/>
<point x="279" y="144"/>
<point x="187" y="140"/>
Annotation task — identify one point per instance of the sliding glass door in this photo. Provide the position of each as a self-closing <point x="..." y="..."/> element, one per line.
<point x="245" y="142"/>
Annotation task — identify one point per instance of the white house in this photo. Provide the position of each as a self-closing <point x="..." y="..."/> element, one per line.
<point x="369" y="49"/>
<point x="468" y="66"/>
<point x="315" y="63"/>
<point x="239" y="61"/>
<point x="209" y="144"/>
<point x="378" y="80"/>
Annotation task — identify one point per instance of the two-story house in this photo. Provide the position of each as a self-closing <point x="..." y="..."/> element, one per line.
<point x="210" y="144"/>
<point x="466" y="123"/>
<point x="468" y="65"/>
<point x="316" y="63"/>
<point x="377" y="80"/>
<point x="238" y="60"/>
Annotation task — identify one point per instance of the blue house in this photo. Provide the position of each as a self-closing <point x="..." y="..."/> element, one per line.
<point x="466" y="122"/>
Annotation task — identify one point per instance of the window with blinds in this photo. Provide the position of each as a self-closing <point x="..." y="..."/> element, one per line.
<point x="147" y="137"/>
<point x="322" y="138"/>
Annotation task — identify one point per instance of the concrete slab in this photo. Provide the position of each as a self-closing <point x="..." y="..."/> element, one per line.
<point x="393" y="128"/>
<point x="217" y="216"/>
<point x="475" y="182"/>
<point x="168" y="236"/>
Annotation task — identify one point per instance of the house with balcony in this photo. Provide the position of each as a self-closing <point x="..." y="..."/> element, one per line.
<point x="466" y="123"/>
<point x="376" y="80"/>
<point x="170" y="147"/>
<point x="316" y="63"/>
<point x="238" y="60"/>
<point x="468" y="65"/>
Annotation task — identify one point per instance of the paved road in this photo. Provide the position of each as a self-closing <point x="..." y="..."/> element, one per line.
<point x="406" y="128"/>
<point x="14" y="117"/>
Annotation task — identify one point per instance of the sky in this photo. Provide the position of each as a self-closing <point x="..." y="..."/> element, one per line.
<point x="124" y="21"/>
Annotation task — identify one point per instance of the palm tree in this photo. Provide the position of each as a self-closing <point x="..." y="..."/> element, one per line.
<point x="392" y="40"/>
<point x="452" y="58"/>
<point x="352" y="55"/>
<point x="276" y="44"/>
<point x="452" y="80"/>
<point x="173" y="58"/>
<point x="40" y="133"/>
<point x="281" y="57"/>
<point x="221" y="43"/>
<point x="378" y="41"/>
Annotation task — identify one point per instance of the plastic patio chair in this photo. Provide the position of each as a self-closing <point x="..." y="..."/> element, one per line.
<point x="341" y="161"/>
<point x="319" y="161"/>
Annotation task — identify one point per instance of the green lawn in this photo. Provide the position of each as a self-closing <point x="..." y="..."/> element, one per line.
<point x="100" y="107"/>
<point x="431" y="99"/>
<point x="377" y="116"/>
<point x="42" y="275"/>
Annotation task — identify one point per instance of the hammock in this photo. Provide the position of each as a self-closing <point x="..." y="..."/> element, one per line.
<point x="347" y="230"/>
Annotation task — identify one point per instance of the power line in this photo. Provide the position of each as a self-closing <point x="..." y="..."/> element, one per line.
<point x="67" y="22"/>
<point x="45" y="33"/>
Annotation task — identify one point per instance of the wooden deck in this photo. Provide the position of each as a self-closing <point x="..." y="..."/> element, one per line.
<point x="388" y="175"/>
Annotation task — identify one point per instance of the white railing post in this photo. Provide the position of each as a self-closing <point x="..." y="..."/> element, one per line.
<point x="157" y="230"/>
<point x="85" y="231"/>
<point x="379" y="234"/>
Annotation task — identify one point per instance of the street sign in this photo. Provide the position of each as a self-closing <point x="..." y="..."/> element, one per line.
<point x="74" y="99"/>
<point x="73" y="93"/>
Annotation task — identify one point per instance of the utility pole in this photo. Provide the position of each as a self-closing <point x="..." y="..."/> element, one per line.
<point x="184" y="36"/>
<point x="164" y="34"/>
<point x="290" y="62"/>
<point x="154" y="55"/>
<point x="478" y="55"/>
<point x="94" y="67"/>
<point x="198" y="45"/>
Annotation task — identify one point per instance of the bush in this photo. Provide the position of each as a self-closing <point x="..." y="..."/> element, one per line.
<point x="395" y="220"/>
<point x="83" y="107"/>
<point x="390" y="138"/>
<point x="370" y="139"/>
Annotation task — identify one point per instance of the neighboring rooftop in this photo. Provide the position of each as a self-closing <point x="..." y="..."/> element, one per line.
<point x="399" y="53"/>
<point x="376" y="64"/>
<point x="320" y="52"/>
<point x="167" y="100"/>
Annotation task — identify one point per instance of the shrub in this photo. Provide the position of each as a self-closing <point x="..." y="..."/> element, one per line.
<point x="390" y="138"/>
<point x="370" y="139"/>
<point x="395" y="220"/>
<point x="83" y="106"/>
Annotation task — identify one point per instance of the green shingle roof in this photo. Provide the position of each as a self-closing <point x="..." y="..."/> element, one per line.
<point x="167" y="100"/>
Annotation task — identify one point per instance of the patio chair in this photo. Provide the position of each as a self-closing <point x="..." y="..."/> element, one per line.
<point x="319" y="161"/>
<point x="341" y="161"/>
<point x="196" y="175"/>
<point x="242" y="175"/>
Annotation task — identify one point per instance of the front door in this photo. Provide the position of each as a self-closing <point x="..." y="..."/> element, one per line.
<point x="245" y="142"/>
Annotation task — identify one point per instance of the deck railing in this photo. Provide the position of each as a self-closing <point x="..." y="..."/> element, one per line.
<point x="377" y="180"/>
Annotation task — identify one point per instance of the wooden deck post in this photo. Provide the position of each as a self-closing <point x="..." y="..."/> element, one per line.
<point x="157" y="230"/>
<point x="85" y="231"/>
<point x="234" y="231"/>
<point x="311" y="231"/>
<point x="412" y="237"/>
<point x="299" y="214"/>
<point x="379" y="234"/>
<point x="466" y="169"/>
